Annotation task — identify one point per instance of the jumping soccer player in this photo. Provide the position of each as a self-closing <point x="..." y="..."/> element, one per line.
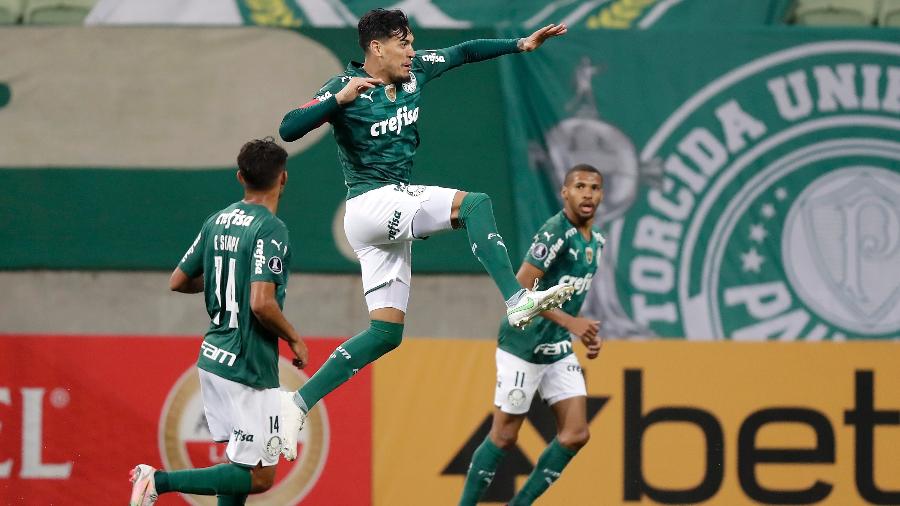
<point x="539" y="358"/>
<point x="240" y="261"/>
<point x="373" y="108"/>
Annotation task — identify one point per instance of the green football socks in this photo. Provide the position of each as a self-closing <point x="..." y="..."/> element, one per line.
<point x="476" y="214"/>
<point x="484" y="464"/>
<point x="223" y="479"/>
<point x="547" y="470"/>
<point x="232" y="500"/>
<point x="348" y="358"/>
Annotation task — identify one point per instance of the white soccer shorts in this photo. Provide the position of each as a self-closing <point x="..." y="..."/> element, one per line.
<point x="246" y="417"/>
<point x="381" y="225"/>
<point x="518" y="380"/>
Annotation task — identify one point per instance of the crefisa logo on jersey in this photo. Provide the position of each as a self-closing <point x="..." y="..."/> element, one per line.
<point x="778" y="215"/>
<point x="185" y="441"/>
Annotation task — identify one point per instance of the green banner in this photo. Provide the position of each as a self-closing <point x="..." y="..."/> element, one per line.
<point x="752" y="177"/>
<point x="114" y="162"/>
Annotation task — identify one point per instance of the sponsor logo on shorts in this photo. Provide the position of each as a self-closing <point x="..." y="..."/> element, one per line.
<point x="394" y="225"/>
<point x="516" y="397"/>
<point x="275" y="265"/>
<point x="553" y="348"/>
<point x="241" y="436"/>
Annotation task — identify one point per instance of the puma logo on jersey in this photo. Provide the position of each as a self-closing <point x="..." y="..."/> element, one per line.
<point x="236" y="217"/>
<point x="276" y="243"/>
<point x="548" y="235"/>
<point x="367" y="97"/>
<point x="574" y="253"/>
<point x="404" y="117"/>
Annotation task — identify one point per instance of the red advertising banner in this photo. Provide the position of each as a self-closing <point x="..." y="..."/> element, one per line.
<point x="78" y="412"/>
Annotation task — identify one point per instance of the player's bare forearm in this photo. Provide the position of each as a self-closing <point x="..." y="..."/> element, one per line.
<point x="269" y="315"/>
<point x="307" y="118"/>
<point x="265" y="308"/>
<point x="181" y="282"/>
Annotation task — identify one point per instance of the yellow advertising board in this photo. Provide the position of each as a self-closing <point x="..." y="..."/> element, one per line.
<point x="671" y="423"/>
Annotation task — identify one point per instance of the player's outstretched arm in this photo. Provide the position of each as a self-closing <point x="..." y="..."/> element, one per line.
<point x="436" y="62"/>
<point x="265" y="309"/>
<point x="181" y="282"/>
<point x="319" y="110"/>
<point x="537" y="39"/>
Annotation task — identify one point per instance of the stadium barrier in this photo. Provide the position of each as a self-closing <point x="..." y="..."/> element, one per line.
<point x="671" y="423"/>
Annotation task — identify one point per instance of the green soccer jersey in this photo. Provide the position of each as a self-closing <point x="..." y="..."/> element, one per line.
<point x="238" y="245"/>
<point x="565" y="256"/>
<point x="377" y="134"/>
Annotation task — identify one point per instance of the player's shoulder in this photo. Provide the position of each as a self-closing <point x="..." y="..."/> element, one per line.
<point x="426" y="58"/>
<point x="598" y="236"/>
<point x="332" y="86"/>
<point x="269" y="223"/>
<point x="555" y="227"/>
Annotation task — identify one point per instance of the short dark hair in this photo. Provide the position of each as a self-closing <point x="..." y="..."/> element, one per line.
<point x="260" y="162"/>
<point x="381" y="24"/>
<point x="582" y="167"/>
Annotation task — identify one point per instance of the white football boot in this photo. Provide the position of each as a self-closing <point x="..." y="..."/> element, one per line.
<point x="143" y="490"/>
<point x="292" y="418"/>
<point x="533" y="302"/>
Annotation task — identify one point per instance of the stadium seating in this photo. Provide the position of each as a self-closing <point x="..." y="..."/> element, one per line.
<point x="889" y="14"/>
<point x="56" y="12"/>
<point x="835" y="12"/>
<point x="10" y="11"/>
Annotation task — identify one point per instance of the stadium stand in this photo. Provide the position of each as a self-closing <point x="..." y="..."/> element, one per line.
<point x="10" y="11"/>
<point x="835" y="12"/>
<point x="56" y="12"/>
<point x="889" y="13"/>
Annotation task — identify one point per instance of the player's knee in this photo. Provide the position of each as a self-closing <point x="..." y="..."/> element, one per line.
<point x="504" y="438"/>
<point x="472" y="201"/>
<point x="262" y="479"/>
<point x="574" y="439"/>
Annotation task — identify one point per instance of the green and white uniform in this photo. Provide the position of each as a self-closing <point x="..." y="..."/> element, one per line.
<point x="539" y="358"/>
<point x="377" y="136"/>
<point x="238" y="358"/>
